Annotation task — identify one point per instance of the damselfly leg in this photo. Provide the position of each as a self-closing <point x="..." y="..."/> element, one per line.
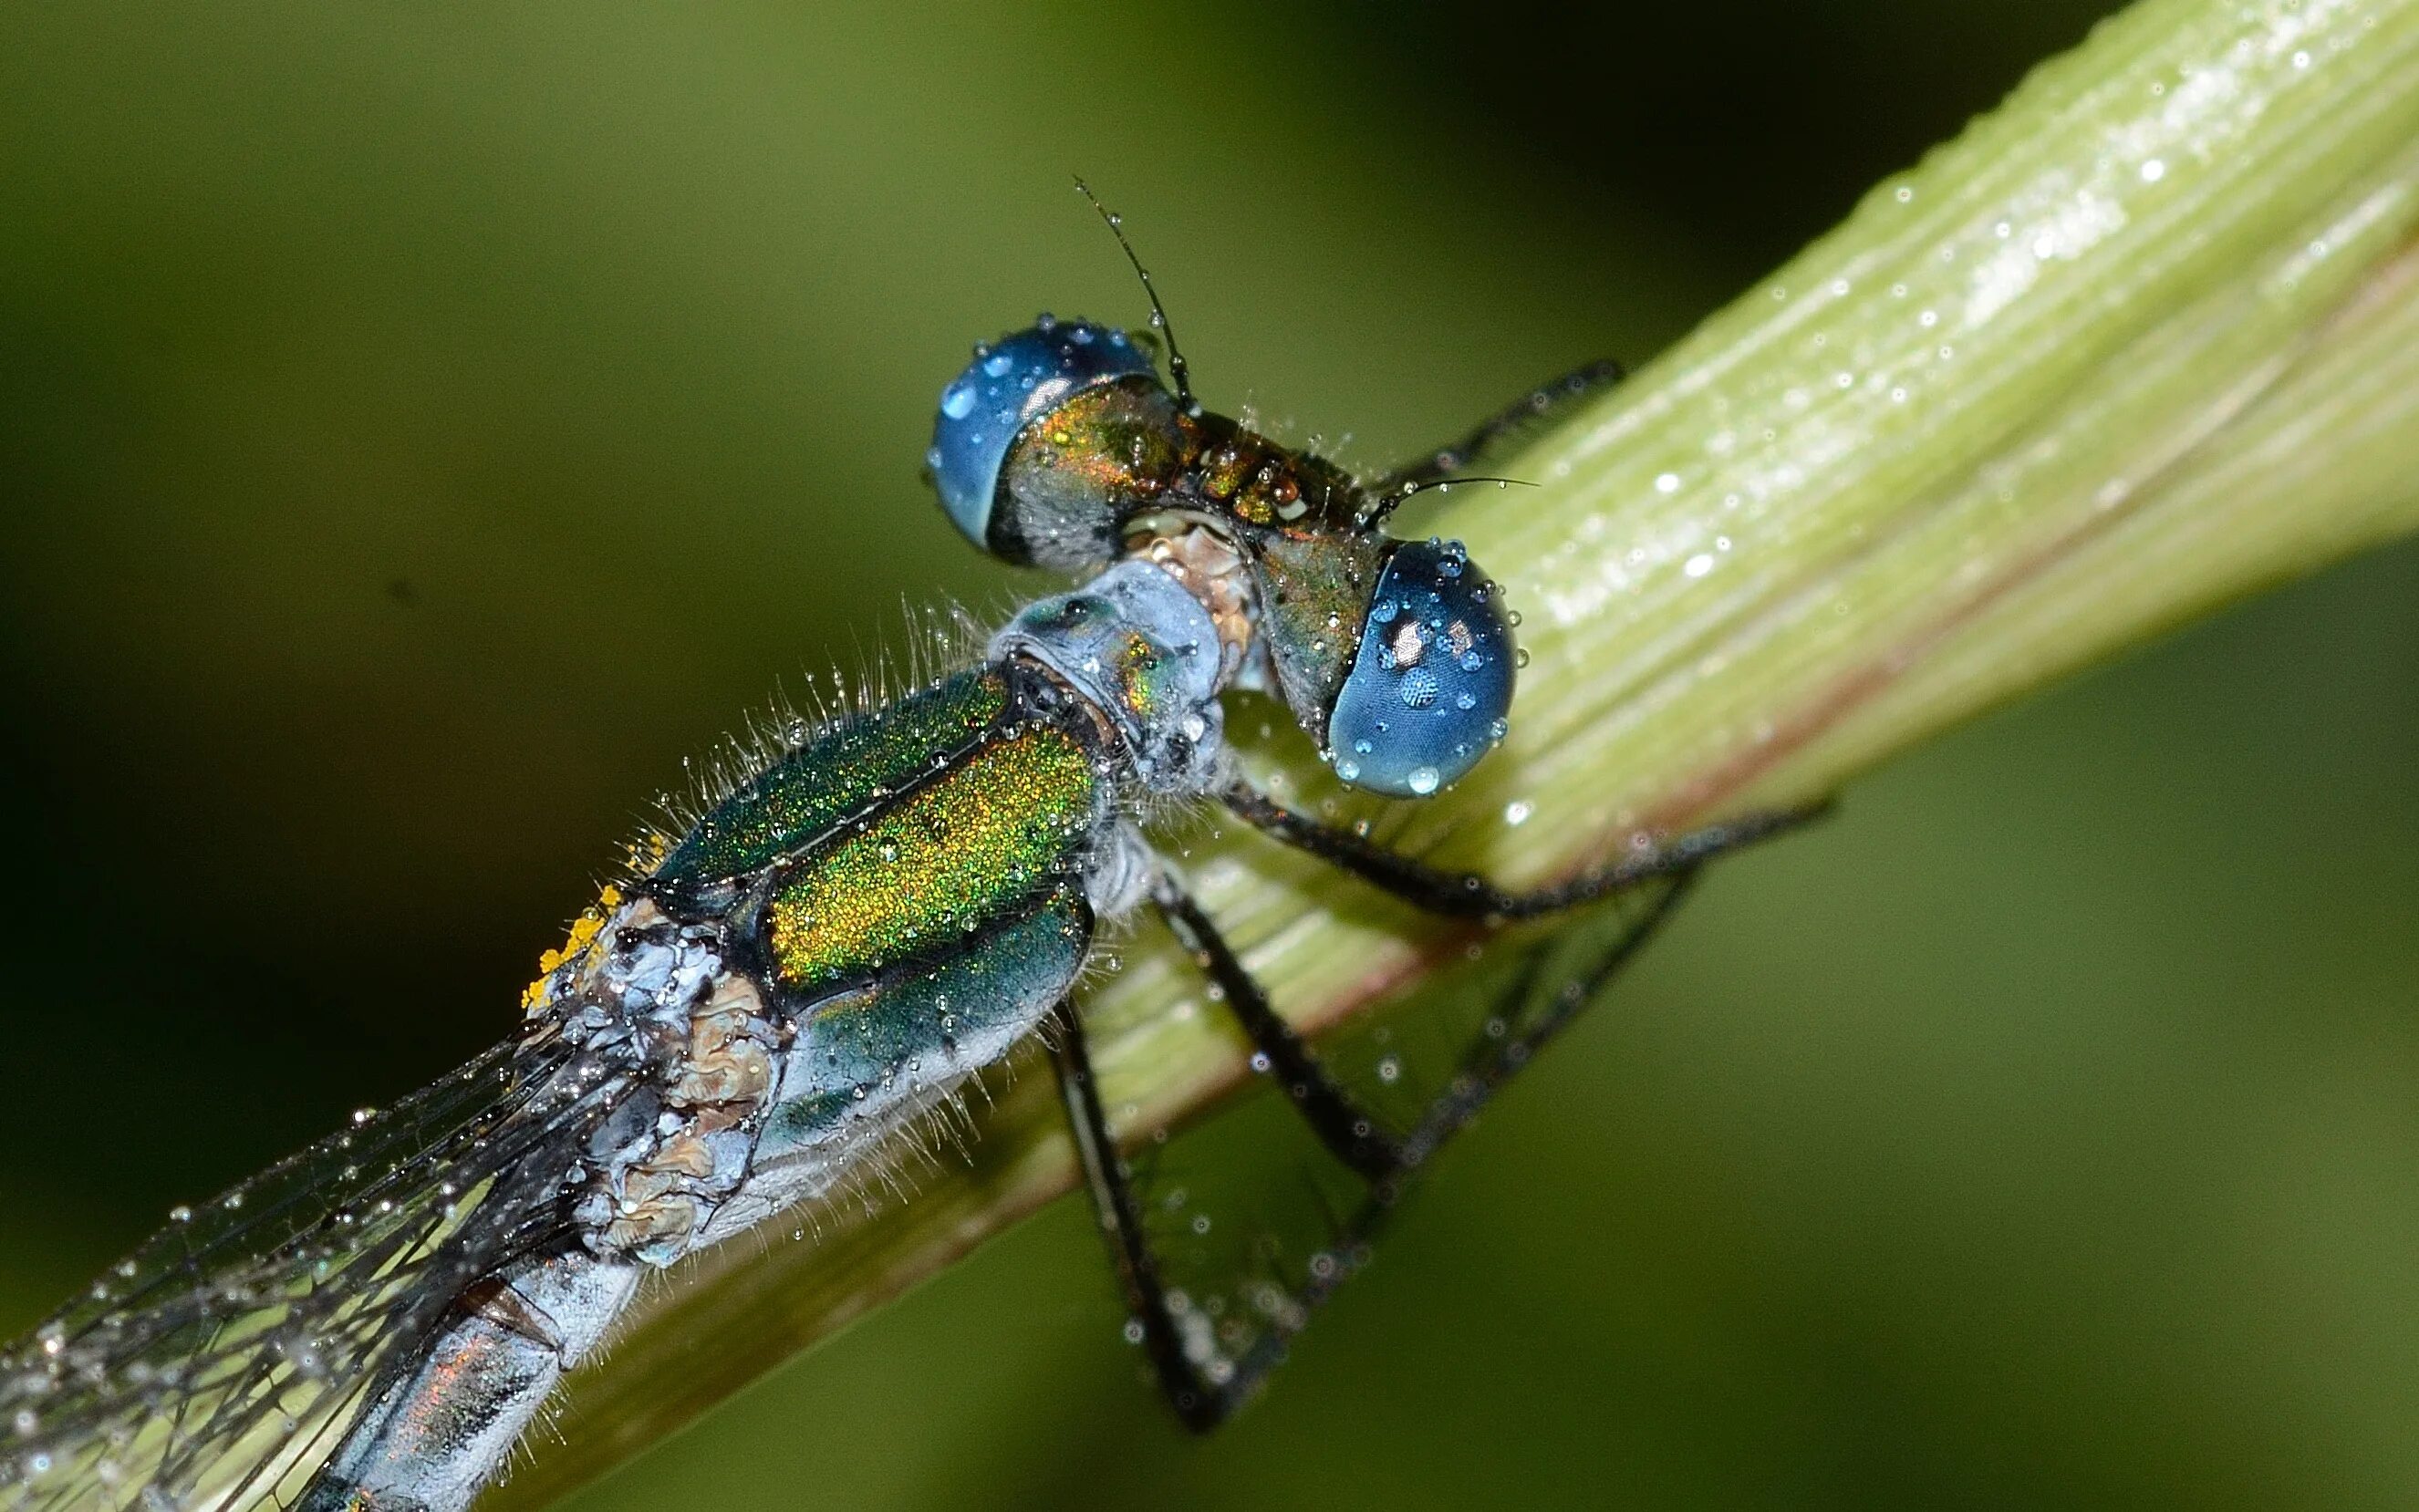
<point x="1470" y="895"/>
<point x="1525" y="416"/>
<point x="1204" y="1383"/>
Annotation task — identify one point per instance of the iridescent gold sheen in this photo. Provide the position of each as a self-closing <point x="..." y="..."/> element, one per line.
<point x="839" y="772"/>
<point x="1238" y="474"/>
<point x="939" y="865"/>
<point x="1071" y="475"/>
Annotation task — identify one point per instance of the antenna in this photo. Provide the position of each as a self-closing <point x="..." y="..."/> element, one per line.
<point x="1386" y="505"/>
<point x="1177" y="366"/>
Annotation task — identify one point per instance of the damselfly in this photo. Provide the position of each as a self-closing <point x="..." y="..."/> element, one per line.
<point x="893" y="899"/>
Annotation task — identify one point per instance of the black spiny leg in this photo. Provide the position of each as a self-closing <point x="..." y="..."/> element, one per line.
<point x="1380" y="1157"/>
<point x="1347" y="1131"/>
<point x="1533" y="409"/>
<point x="1468" y="895"/>
<point x="1201" y="1403"/>
<point x="1204" y="1385"/>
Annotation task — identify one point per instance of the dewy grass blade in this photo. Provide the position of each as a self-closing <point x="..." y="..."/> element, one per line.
<point x="2143" y="341"/>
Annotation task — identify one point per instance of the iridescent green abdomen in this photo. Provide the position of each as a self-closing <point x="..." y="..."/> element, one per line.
<point x="834" y="778"/>
<point x="956" y="855"/>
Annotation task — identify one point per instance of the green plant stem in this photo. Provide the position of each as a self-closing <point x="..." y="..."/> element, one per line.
<point x="2144" y="340"/>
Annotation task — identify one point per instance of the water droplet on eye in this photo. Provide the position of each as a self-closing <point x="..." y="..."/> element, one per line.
<point x="1419" y="689"/>
<point x="997" y="364"/>
<point x="1422" y="781"/>
<point x="1464" y="702"/>
<point x="958" y="400"/>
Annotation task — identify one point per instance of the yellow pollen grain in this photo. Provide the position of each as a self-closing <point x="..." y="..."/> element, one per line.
<point x="583" y="934"/>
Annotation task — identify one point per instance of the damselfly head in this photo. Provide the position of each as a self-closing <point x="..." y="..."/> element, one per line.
<point x="1060" y="446"/>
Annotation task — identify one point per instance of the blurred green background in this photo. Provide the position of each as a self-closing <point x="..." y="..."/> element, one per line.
<point x="422" y="426"/>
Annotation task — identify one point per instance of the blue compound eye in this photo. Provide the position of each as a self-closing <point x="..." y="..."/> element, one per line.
<point x="1008" y="386"/>
<point x="1431" y="685"/>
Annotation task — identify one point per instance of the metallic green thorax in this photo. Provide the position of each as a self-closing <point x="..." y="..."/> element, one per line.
<point x="834" y="778"/>
<point x="956" y="856"/>
<point x="910" y="834"/>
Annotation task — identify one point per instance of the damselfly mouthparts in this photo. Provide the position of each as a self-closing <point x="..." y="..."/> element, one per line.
<point x="896" y="898"/>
